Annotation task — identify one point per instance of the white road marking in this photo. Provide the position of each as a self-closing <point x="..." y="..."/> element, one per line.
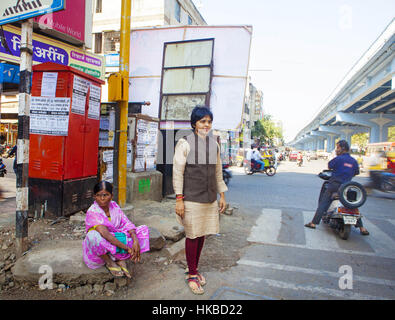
<point x="392" y="221"/>
<point x="382" y="244"/>
<point x="268" y="226"/>
<point x="321" y="237"/>
<point x="345" y="294"/>
<point x="337" y="275"/>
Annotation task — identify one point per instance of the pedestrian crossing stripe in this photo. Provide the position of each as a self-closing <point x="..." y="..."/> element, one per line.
<point x="314" y="290"/>
<point x="269" y="224"/>
<point x="22" y="7"/>
<point x="314" y="272"/>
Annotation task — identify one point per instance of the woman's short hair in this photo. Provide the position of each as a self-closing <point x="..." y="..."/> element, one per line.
<point x="102" y="185"/>
<point x="343" y="144"/>
<point x="198" y="113"/>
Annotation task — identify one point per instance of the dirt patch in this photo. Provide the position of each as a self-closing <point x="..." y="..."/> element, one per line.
<point x="220" y="252"/>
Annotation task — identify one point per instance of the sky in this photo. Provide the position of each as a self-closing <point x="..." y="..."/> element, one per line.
<point x="308" y="46"/>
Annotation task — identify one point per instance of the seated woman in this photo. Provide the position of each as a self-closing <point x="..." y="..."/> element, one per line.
<point x="110" y="236"/>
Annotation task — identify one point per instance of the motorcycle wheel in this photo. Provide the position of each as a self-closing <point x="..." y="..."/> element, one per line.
<point x="387" y="187"/>
<point x="344" y="231"/>
<point x="226" y="179"/>
<point x="271" y="171"/>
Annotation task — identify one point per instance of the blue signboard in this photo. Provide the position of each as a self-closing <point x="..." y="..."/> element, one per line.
<point x="16" y="10"/>
<point x="9" y="73"/>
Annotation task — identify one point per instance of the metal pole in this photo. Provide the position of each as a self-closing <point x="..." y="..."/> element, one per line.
<point x="124" y="72"/>
<point x="22" y="177"/>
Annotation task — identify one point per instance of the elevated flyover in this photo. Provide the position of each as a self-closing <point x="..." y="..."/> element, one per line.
<point x="364" y="101"/>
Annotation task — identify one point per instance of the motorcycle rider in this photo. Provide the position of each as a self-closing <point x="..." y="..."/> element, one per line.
<point x="256" y="156"/>
<point x="300" y="157"/>
<point x="10" y="154"/>
<point x="344" y="169"/>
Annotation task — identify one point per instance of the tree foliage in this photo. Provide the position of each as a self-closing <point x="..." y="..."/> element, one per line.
<point x="391" y="134"/>
<point x="266" y="130"/>
<point x="360" y="139"/>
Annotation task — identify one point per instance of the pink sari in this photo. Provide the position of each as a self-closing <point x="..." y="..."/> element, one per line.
<point x="94" y="245"/>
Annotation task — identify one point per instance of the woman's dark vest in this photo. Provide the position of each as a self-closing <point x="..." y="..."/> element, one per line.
<point x="200" y="183"/>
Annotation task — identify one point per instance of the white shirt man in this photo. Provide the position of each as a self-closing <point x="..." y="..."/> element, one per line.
<point x="249" y="154"/>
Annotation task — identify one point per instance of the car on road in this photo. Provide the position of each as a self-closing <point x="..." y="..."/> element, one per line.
<point x="293" y="155"/>
<point x="312" y="155"/>
<point x="321" y="154"/>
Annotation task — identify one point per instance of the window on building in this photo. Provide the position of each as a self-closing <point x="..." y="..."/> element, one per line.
<point x="178" y="11"/>
<point x="189" y="20"/>
<point x="98" y="42"/>
<point x="187" y="74"/>
<point x="112" y="41"/>
<point x="99" y="7"/>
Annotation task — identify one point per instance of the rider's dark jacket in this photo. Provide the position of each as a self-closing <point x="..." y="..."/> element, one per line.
<point x="344" y="168"/>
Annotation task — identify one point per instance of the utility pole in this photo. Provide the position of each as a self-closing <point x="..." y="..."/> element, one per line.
<point x="22" y="177"/>
<point x="123" y="104"/>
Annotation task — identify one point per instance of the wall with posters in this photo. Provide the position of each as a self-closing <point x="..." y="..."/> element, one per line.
<point x="142" y="143"/>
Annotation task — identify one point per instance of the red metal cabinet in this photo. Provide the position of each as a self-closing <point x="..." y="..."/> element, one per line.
<point x="63" y="168"/>
<point x="75" y="155"/>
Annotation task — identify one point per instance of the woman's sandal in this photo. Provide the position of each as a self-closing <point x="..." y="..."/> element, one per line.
<point x="115" y="271"/>
<point x="195" y="290"/>
<point x="125" y="271"/>
<point x="202" y="280"/>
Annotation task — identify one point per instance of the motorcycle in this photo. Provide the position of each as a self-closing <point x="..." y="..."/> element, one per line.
<point x="343" y="211"/>
<point x="382" y="181"/>
<point x="300" y="162"/>
<point x="251" y="167"/>
<point x="226" y="173"/>
<point x="3" y="170"/>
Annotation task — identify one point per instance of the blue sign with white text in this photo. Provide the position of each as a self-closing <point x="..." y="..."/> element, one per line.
<point x="16" y="10"/>
<point x="9" y="73"/>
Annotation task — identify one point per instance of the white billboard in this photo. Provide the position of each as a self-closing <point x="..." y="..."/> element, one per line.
<point x="229" y="75"/>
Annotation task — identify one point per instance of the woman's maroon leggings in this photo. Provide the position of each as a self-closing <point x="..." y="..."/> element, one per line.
<point x="193" y="248"/>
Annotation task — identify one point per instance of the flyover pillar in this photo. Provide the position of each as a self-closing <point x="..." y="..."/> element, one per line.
<point x="378" y="123"/>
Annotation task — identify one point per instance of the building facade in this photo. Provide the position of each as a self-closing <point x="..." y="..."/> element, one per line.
<point x="144" y="13"/>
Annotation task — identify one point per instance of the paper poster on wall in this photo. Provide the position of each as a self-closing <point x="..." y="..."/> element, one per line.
<point x="48" y="84"/>
<point x="49" y="116"/>
<point x="80" y="90"/>
<point x="94" y="102"/>
<point x="139" y="164"/>
<point x="111" y="120"/>
<point x="142" y="130"/>
<point x="129" y="154"/>
<point x="108" y="158"/>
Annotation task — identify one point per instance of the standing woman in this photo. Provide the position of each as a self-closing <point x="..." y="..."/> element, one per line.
<point x="197" y="178"/>
<point x="110" y="236"/>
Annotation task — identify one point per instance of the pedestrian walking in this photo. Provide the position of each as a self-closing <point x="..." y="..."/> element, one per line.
<point x="197" y="179"/>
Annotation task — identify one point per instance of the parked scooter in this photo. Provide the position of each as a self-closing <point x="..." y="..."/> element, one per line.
<point x="251" y="167"/>
<point x="226" y="173"/>
<point x="343" y="211"/>
<point x="3" y="169"/>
